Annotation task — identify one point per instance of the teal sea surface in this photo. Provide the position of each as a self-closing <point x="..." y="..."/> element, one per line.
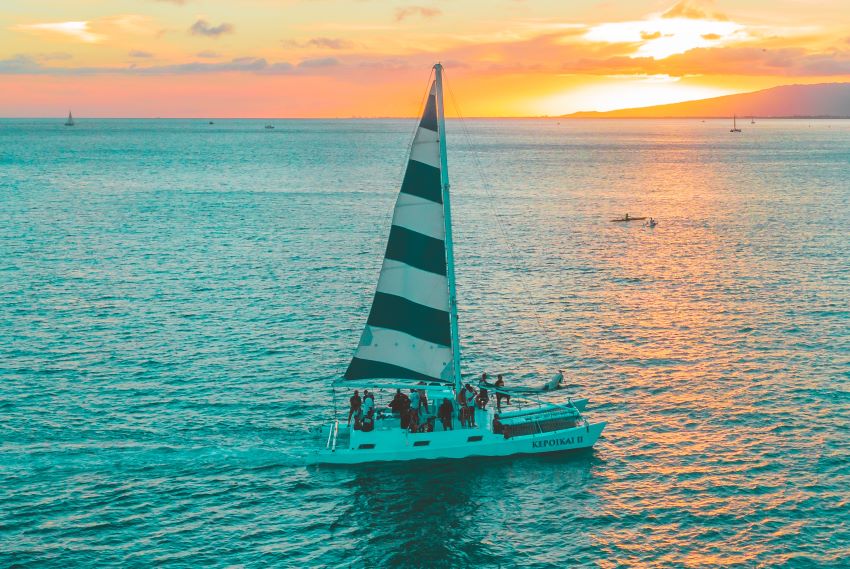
<point x="176" y="298"/>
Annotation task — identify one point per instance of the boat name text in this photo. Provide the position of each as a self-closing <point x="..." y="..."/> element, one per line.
<point x="556" y="442"/>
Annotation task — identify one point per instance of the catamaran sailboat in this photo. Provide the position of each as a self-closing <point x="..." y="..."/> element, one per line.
<point x="70" y="121"/>
<point x="734" y="124"/>
<point x="411" y="343"/>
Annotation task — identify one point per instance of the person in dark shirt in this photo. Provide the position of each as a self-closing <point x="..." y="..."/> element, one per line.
<point x="500" y="428"/>
<point x="404" y="410"/>
<point x="397" y="404"/>
<point x="356" y="403"/>
<point x="497" y="425"/>
<point x="445" y="413"/>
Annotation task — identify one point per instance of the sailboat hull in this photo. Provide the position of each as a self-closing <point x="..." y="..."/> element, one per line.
<point x="401" y="446"/>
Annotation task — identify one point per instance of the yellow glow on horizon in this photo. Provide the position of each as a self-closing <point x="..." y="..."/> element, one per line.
<point x="625" y="93"/>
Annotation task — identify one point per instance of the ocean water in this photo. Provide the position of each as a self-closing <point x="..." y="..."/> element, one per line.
<point x="176" y="298"/>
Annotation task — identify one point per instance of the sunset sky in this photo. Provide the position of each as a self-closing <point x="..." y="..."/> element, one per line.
<point x="333" y="58"/>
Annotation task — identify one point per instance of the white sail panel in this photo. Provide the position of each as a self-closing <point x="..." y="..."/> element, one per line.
<point x="405" y="351"/>
<point x="426" y="147"/>
<point x="422" y="287"/>
<point x="420" y="215"/>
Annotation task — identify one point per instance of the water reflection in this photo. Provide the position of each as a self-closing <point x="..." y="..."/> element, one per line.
<point x="469" y="513"/>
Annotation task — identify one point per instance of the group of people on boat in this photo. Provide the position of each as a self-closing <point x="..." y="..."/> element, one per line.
<point x="413" y="410"/>
<point x="362" y="409"/>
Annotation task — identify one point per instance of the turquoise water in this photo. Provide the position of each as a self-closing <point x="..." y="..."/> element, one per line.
<point x="176" y="298"/>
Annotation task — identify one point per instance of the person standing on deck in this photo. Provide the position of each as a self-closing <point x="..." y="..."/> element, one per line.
<point x="415" y="400"/>
<point x="368" y="403"/>
<point x="483" y="397"/>
<point x="467" y="400"/>
<point x="500" y="384"/>
<point x="445" y="412"/>
<point x="355" y="403"/>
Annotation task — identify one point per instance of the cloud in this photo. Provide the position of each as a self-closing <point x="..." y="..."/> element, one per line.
<point x="671" y="36"/>
<point x="22" y="64"/>
<point x="722" y="61"/>
<point x="711" y="37"/>
<point x="140" y="54"/>
<point x="19" y="64"/>
<point x="54" y="56"/>
<point x="203" y="28"/>
<point x="207" y="54"/>
<point x="407" y="11"/>
<point x="689" y="9"/>
<point x="320" y="43"/>
<point x="318" y="63"/>
<point x="78" y="30"/>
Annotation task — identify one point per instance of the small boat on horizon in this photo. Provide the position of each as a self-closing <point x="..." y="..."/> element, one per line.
<point x="70" y="121"/>
<point x="734" y="125"/>
<point x="627" y="217"/>
<point x="269" y="126"/>
<point x="411" y="342"/>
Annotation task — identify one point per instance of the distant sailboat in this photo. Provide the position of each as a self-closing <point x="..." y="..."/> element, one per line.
<point x="70" y="121"/>
<point x="734" y="125"/>
<point x="752" y="120"/>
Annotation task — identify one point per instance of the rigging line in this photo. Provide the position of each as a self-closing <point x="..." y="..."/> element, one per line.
<point x="503" y="233"/>
<point x="388" y="213"/>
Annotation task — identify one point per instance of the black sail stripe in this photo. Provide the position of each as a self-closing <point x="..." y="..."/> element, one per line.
<point x="420" y="321"/>
<point x="417" y="250"/>
<point x="360" y="368"/>
<point x="422" y="180"/>
<point x="429" y="116"/>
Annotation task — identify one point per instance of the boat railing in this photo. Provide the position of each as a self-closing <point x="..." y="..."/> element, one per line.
<point x="333" y="434"/>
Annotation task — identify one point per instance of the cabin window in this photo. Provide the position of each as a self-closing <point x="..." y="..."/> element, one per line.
<point x="474" y="439"/>
<point x="421" y="443"/>
<point x="366" y="446"/>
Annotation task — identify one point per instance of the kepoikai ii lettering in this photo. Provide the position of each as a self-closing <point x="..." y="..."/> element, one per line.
<point x="557" y="442"/>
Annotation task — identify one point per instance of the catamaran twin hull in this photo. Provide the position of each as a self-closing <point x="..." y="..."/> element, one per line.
<point x="397" y="445"/>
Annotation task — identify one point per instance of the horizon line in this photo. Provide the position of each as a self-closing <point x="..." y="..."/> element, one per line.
<point x="523" y="117"/>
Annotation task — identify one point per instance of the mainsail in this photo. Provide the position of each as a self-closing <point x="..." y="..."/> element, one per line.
<point x="408" y="335"/>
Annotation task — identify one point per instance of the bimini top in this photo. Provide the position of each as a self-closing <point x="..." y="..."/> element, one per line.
<point x="408" y="335"/>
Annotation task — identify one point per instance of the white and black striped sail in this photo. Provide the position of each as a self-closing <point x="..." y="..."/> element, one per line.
<point x="408" y="332"/>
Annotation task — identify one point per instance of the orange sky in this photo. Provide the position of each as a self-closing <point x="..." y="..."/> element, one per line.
<point x="330" y="58"/>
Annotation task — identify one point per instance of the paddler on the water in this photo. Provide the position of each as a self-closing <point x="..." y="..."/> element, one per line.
<point x="555" y="382"/>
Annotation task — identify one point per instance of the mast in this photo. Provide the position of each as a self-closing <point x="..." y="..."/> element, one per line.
<point x="450" y="259"/>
